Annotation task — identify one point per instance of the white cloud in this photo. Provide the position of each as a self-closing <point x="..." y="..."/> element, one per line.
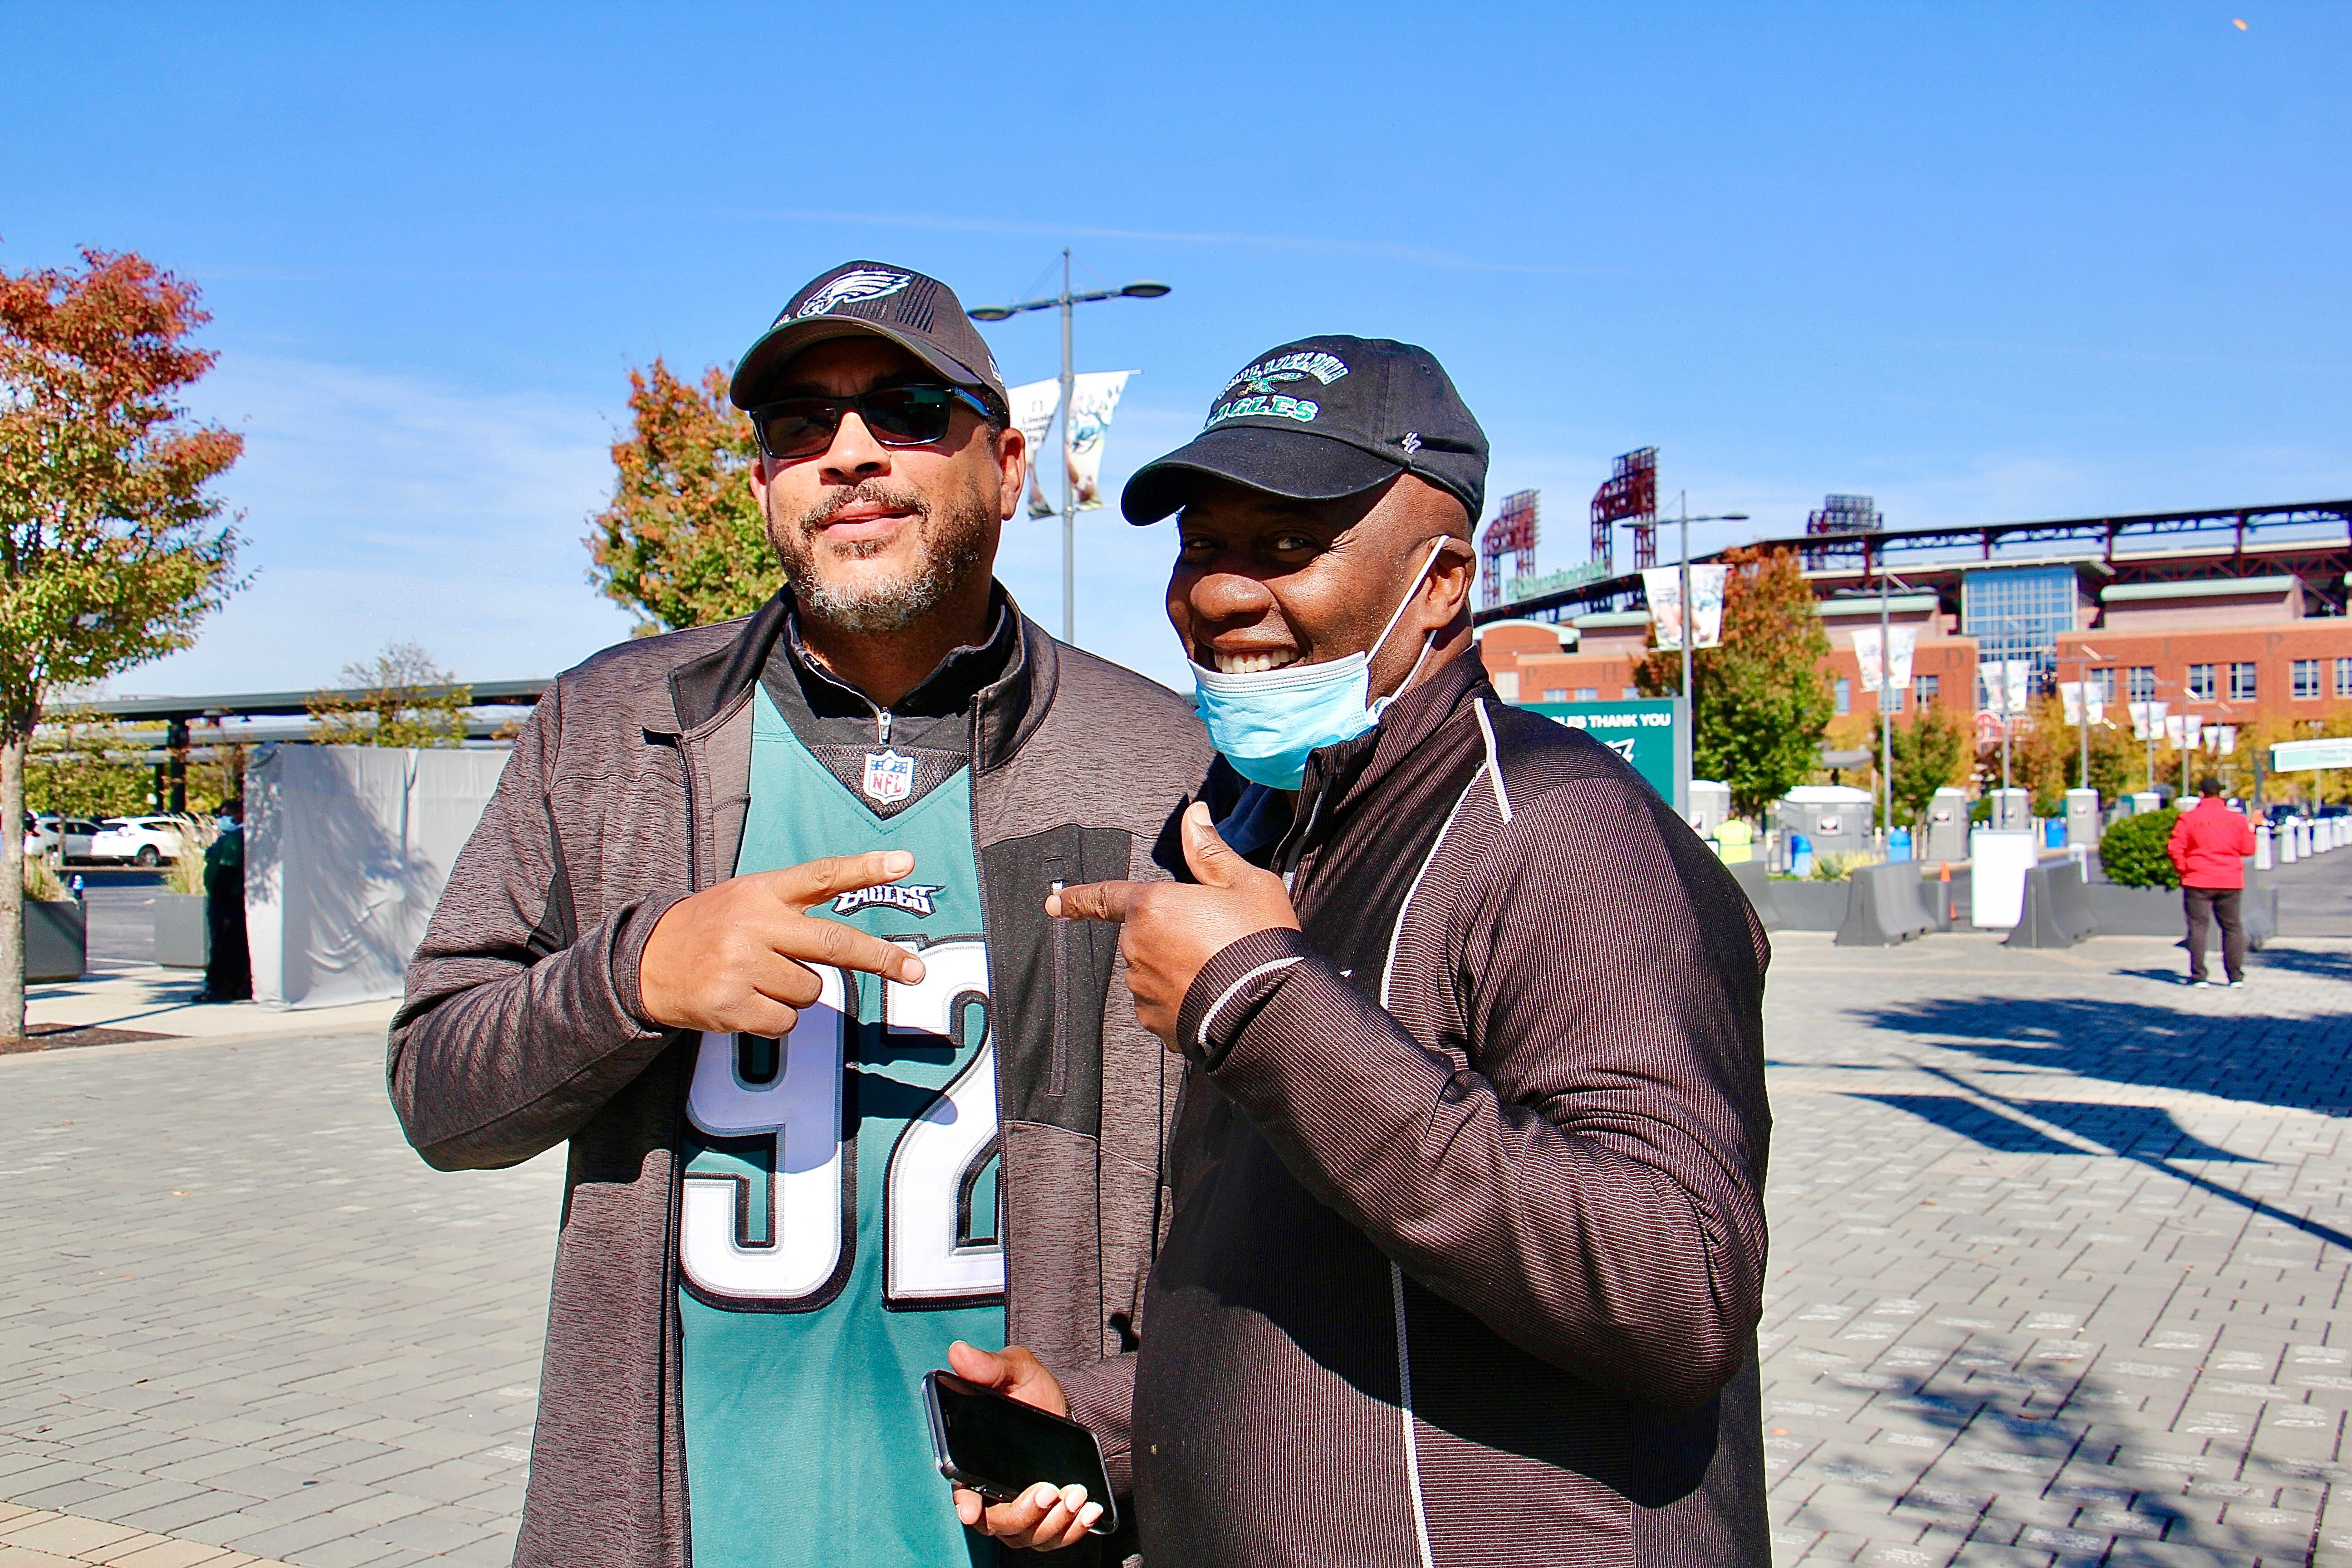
<point x="384" y="507"/>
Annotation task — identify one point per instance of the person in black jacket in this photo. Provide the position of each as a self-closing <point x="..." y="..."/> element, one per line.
<point x="1468" y="1248"/>
<point x="229" y="965"/>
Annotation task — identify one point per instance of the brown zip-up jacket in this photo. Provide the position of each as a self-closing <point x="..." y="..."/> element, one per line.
<point x="1468" y="1250"/>
<point x="522" y="1029"/>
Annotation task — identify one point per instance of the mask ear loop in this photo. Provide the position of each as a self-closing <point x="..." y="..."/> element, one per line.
<point x="1428" y="641"/>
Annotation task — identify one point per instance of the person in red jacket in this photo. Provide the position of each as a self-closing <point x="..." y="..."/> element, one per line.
<point x="2208" y="848"/>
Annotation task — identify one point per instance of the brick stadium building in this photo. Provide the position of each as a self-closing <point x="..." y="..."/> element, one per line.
<point x="2237" y="617"/>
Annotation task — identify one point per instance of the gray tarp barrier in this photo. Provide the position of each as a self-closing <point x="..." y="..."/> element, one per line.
<point x="347" y="850"/>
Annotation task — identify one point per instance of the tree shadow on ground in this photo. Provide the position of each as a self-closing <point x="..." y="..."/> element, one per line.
<point x="2320" y="965"/>
<point x="2303" y="1063"/>
<point x="2145" y="1134"/>
<point x="2013" y="1418"/>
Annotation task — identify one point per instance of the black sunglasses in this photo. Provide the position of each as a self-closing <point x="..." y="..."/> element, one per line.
<point x="897" y="415"/>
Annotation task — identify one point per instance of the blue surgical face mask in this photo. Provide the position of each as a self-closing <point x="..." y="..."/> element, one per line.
<point x="1265" y="724"/>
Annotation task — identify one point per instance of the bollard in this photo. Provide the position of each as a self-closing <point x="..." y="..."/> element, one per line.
<point x="2261" y="846"/>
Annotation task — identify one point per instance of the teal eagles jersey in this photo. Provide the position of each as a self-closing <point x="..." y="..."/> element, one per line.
<point x="839" y="1220"/>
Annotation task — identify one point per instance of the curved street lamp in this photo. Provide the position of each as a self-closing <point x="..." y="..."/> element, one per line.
<point x="1065" y="302"/>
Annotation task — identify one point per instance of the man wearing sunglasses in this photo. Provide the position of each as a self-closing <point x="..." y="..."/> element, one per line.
<point x="755" y="922"/>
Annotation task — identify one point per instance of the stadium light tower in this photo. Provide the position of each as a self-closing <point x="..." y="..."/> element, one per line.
<point x="1067" y="302"/>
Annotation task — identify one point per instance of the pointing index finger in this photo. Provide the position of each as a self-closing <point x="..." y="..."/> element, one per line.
<point x="1093" y="902"/>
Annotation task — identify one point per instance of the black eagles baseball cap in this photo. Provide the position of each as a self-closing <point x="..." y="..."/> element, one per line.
<point x="919" y="314"/>
<point x="1325" y="418"/>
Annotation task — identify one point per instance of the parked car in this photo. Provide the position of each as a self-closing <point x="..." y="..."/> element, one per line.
<point x="142" y="840"/>
<point x="42" y="833"/>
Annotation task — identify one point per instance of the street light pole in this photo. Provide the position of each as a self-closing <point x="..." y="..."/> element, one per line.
<point x="1069" y="497"/>
<point x="1690" y="621"/>
<point x="1068" y="303"/>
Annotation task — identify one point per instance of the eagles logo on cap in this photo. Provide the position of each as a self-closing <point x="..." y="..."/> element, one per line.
<point x="852" y="288"/>
<point x="1322" y="418"/>
<point x="871" y="298"/>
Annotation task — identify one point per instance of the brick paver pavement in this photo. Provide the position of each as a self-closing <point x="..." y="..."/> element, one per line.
<point x="2059" y="1257"/>
<point x="2059" y="1263"/>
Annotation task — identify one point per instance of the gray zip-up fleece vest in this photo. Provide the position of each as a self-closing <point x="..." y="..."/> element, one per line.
<point x="522" y="1029"/>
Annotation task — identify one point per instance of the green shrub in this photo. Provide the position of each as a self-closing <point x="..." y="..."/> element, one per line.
<point x="2133" y="851"/>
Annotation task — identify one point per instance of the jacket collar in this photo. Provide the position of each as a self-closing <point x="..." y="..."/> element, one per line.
<point x="1338" y="776"/>
<point x="704" y="690"/>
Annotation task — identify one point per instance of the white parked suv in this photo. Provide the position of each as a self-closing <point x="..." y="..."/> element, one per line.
<point x="42" y="836"/>
<point x="146" y="840"/>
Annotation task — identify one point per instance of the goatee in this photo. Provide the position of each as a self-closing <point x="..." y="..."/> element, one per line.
<point x="951" y="542"/>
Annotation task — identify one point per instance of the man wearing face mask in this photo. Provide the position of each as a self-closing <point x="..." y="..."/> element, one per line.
<point x="1468" y="1247"/>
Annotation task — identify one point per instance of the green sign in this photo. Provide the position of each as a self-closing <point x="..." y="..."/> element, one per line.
<point x="1653" y="734"/>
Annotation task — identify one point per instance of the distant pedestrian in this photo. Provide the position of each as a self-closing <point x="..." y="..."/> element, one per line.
<point x="2209" y="846"/>
<point x="228" y="967"/>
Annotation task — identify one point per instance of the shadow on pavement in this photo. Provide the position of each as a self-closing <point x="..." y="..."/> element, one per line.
<point x="2143" y="1134"/>
<point x="2303" y="1063"/>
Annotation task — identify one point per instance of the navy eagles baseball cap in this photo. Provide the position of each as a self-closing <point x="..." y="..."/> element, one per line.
<point x="871" y="298"/>
<point x="1325" y="418"/>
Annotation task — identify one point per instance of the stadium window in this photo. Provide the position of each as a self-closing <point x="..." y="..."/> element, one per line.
<point x="2344" y="678"/>
<point x="1633" y="693"/>
<point x="2306" y="678"/>
<point x="2242" y="687"/>
<point x="1926" y="687"/>
<point x="2142" y="684"/>
<point x="1844" y="695"/>
<point x="1896" y="706"/>
<point x="1556" y="694"/>
<point x="2103" y="687"/>
<point x="2200" y="682"/>
<point x="1588" y="694"/>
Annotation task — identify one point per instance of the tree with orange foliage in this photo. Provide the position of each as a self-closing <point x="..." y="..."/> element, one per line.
<point x="683" y="543"/>
<point x="111" y="546"/>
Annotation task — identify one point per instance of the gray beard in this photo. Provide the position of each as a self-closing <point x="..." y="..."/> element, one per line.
<point x="954" y="543"/>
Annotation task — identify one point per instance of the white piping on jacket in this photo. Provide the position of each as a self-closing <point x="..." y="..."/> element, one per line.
<point x="1216" y="1007"/>
<point x="1494" y="764"/>
<point x="1396" y="1275"/>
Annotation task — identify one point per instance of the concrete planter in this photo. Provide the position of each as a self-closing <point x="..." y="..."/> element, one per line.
<point x="1811" y="906"/>
<point x="57" y="941"/>
<point x="2157" y="911"/>
<point x="183" y="936"/>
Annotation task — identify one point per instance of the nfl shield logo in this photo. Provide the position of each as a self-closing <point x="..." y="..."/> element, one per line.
<point x="889" y="777"/>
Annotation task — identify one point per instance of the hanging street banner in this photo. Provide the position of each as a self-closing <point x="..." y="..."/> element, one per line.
<point x="1706" y="604"/>
<point x="2298" y="756"/>
<point x="2007" y="683"/>
<point x="2148" y="720"/>
<point x="1652" y="734"/>
<point x="1094" y="397"/>
<point x="1663" y="587"/>
<point x="1902" y="642"/>
<point x="1034" y="405"/>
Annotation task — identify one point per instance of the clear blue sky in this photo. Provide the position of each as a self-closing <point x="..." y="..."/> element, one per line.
<point x="1983" y="261"/>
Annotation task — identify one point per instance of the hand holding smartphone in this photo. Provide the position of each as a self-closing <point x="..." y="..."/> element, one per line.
<point x="1001" y="1447"/>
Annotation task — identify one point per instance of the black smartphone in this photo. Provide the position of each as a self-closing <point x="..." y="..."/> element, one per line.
<point x="1001" y="1447"/>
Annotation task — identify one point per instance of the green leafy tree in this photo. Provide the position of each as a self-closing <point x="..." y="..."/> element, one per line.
<point x="400" y="697"/>
<point x="683" y="543"/>
<point x="112" y="547"/>
<point x="1930" y="751"/>
<point x="2133" y="850"/>
<point x="1762" y="702"/>
<point x="91" y="767"/>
